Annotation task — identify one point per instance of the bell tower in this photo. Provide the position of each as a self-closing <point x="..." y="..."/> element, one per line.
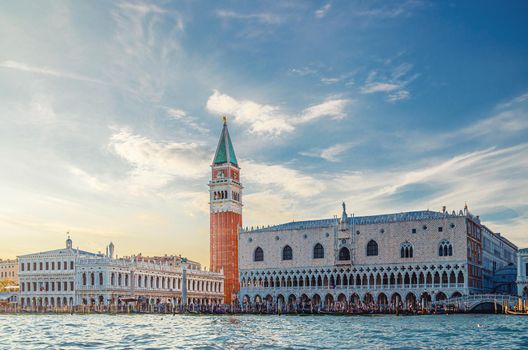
<point x="225" y="205"/>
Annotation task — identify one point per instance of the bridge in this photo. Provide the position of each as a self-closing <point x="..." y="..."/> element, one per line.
<point x="470" y="302"/>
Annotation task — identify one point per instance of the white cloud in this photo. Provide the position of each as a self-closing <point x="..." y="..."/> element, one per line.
<point x="393" y="83"/>
<point x="47" y="71"/>
<point x="331" y="153"/>
<point x="156" y="164"/>
<point x="286" y="179"/>
<point x="303" y="71"/>
<point x="391" y="10"/>
<point x="370" y="88"/>
<point x="269" y="119"/>
<point x="323" y="11"/>
<point x="263" y="17"/>
<point x="333" y="108"/>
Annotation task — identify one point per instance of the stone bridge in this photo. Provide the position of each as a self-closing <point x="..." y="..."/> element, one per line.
<point x="470" y="302"/>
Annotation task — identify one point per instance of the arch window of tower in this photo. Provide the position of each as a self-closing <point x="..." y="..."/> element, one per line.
<point x="344" y="254"/>
<point x="287" y="253"/>
<point x="258" y="255"/>
<point x="372" y="248"/>
<point x="318" y="251"/>
<point x="406" y="250"/>
<point x="445" y="248"/>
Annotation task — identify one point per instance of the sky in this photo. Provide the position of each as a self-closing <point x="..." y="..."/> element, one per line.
<point x="110" y="113"/>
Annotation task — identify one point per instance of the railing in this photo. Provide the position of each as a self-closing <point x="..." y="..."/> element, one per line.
<point x="474" y="299"/>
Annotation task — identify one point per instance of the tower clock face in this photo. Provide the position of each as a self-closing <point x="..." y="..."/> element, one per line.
<point x="220" y="174"/>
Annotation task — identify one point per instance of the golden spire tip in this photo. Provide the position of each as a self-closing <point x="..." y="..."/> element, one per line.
<point x="225" y="119"/>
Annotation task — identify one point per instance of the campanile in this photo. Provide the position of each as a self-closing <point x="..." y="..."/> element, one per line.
<point x="225" y="203"/>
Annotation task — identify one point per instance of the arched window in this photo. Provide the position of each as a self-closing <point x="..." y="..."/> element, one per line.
<point x="287" y="253"/>
<point x="445" y="248"/>
<point x="84" y="278"/>
<point x="318" y="251"/>
<point x="372" y="248"/>
<point x="406" y="250"/>
<point x="100" y="278"/>
<point x="258" y="255"/>
<point x="344" y="254"/>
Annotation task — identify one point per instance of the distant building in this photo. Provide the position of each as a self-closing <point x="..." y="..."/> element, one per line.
<point x="522" y="272"/>
<point x="69" y="277"/>
<point x="499" y="263"/>
<point x="225" y="205"/>
<point x="411" y="257"/>
<point x="9" y="270"/>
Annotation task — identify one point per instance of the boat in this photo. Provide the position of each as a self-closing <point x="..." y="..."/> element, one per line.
<point x="516" y="313"/>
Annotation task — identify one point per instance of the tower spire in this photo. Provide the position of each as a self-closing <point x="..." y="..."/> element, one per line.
<point x="225" y="153"/>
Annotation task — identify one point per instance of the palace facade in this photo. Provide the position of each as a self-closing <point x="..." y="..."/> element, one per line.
<point x="408" y="257"/>
<point x="71" y="277"/>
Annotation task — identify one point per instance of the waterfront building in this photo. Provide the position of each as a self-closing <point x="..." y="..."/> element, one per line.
<point x="498" y="264"/>
<point x="225" y="203"/>
<point x="70" y="277"/>
<point x="522" y="272"/>
<point x="9" y="270"/>
<point x="410" y="257"/>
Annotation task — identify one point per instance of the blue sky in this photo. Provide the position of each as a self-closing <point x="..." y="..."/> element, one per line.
<point x="110" y="113"/>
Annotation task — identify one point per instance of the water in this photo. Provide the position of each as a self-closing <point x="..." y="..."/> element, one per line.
<point x="264" y="332"/>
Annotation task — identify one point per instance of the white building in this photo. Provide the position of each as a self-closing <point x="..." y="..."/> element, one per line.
<point x="383" y="259"/>
<point x="9" y="270"/>
<point x="522" y="272"/>
<point x="74" y="277"/>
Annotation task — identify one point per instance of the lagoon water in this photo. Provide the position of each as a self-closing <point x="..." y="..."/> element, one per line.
<point x="262" y="332"/>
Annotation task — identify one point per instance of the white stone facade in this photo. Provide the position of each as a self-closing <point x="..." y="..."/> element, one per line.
<point x="102" y="280"/>
<point x="424" y="254"/>
<point x="9" y="270"/>
<point x="71" y="277"/>
<point x="522" y="272"/>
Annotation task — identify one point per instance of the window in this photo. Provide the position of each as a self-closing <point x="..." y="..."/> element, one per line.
<point x="71" y="265"/>
<point x="440" y="229"/>
<point x="526" y="269"/>
<point x="406" y="250"/>
<point x="287" y="253"/>
<point x="445" y="248"/>
<point x="344" y="254"/>
<point x="372" y="248"/>
<point x="258" y="255"/>
<point x="318" y="251"/>
<point x="413" y="230"/>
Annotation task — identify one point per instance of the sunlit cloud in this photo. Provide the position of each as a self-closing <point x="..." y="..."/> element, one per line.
<point x="269" y="119"/>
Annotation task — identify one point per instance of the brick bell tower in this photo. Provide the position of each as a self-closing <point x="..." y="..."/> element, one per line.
<point x="225" y="203"/>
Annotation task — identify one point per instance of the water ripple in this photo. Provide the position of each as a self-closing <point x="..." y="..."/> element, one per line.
<point x="261" y="332"/>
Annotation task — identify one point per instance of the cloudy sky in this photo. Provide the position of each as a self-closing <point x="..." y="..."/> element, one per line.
<point x="110" y="113"/>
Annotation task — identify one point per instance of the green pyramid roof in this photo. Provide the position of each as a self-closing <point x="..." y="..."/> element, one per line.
<point x="225" y="153"/>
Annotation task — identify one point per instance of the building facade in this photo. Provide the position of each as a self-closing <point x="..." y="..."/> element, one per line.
<point x="408" y="257"/>
<point x="498" y="264"/>
<point x="71" y="277"/>
<point x="522" y="273"/>
<point x="9" y="270"/>
<point x="225" y="202"/>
